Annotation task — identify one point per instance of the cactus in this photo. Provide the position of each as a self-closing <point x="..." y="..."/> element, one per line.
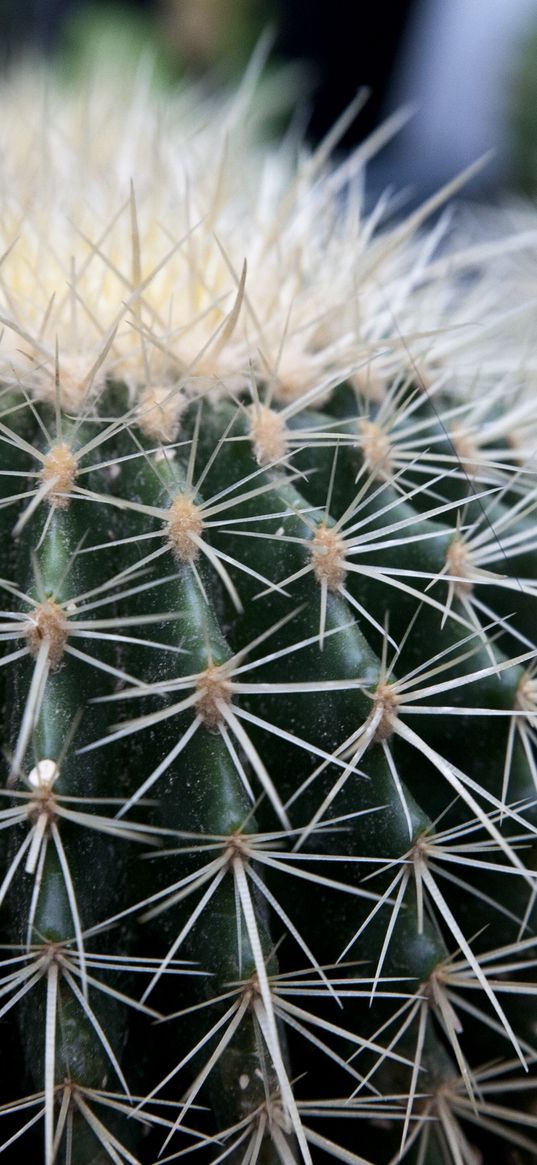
<point x="268" y="573"/>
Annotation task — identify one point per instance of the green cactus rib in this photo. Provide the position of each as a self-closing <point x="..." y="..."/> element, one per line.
<point x="268" y="820"/>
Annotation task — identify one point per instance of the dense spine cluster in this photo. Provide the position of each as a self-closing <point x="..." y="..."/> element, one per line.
<point x="268" y="821"/>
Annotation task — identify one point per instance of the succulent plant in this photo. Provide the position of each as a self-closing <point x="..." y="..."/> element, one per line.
<point x="268" y="570"/>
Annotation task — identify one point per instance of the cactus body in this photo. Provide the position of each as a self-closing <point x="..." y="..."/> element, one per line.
<point x="268" y="813"/>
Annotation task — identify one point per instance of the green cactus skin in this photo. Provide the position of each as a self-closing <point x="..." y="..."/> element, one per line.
<point x="268" y="818"/>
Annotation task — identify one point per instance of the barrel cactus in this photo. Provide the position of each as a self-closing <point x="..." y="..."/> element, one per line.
<point x="268" y="817"/>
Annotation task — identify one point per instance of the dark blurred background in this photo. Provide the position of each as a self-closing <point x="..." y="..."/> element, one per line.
<point x="468" y="67"/>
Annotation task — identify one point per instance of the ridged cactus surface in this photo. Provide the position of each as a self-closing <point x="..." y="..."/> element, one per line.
<point x="268" y="821"/>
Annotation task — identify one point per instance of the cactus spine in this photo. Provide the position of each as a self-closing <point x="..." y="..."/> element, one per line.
<point x="268" y="811"/>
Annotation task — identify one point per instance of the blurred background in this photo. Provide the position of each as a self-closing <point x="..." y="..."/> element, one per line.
<point x="467" y="68"/>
